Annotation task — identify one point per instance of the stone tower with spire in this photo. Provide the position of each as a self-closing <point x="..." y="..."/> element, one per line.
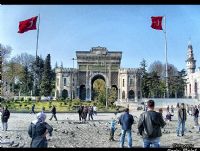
<point x="190" y="62"/>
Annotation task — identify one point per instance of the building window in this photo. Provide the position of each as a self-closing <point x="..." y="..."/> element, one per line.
<point x="186" y="89"/>
<point x="131" y="94"/>
<point x="195" y="87"/>
<point x="131" y="82"/>
<point x="65" y="81"/>
<point x="123" y="83"/>
<point x="123" y="95"/>
<point x="190" y="88"/>
<point x="57" y="82"/>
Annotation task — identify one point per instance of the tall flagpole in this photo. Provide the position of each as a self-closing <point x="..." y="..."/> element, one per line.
<point x="38" y="34"/>
<point x="38" y="30"/>
<point x="166" y="65"/>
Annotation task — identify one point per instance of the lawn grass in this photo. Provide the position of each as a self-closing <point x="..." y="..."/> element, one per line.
<point x="61" y="106"/>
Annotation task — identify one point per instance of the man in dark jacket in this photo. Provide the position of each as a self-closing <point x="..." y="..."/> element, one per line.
<point x="53" y="111"/>
<point x="38" y="130"/>
<point x="33" y="109"/>
<point x="90" y="113"/>
<point x="80" y="111"/>
<point x="196" y="116"/>
<point x="182" y="116"/>
<point x="126" y="121"/>
<point x="149" y="126"/>
<point x="4" y="118"/>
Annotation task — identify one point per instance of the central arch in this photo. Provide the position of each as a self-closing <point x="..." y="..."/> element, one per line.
<point x="96" y="77"/>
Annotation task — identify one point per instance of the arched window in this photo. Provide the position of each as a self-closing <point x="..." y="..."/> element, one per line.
<point x="57" y="81"/>
<point x="131" y="82"/>
<point x="131" y="94"/>
<point x="123" y="95"/>
<point x="195" y="87"/>
<point x="65" y="94"/>
<point x="65" y="82"/>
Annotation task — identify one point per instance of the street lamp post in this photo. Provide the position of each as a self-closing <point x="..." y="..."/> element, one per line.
<point x="106" y="82"/>
<point x="72" y="88"/>
<point x="106" y="88"/>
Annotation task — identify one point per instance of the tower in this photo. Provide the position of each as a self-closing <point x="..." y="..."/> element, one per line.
<point x="190" y="62"/>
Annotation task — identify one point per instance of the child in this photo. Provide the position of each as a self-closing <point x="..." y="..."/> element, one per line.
<point x="169" y="116"/>
<point x="112" y="129"/>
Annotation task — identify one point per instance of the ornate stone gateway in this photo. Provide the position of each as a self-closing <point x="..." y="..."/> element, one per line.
<point x="98" y="63"/>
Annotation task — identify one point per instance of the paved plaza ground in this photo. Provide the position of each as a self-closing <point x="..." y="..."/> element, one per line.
<point x="68" y="132"/>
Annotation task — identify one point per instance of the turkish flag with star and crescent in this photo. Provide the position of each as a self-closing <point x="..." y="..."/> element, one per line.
<point x="157" y="22"/>
<point x="26" y="25"/>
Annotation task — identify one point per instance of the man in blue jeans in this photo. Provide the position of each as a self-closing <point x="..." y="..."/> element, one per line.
<point x="182" y="116"/>
<point x="149" y="126"/>
<point x="126" y="121"/>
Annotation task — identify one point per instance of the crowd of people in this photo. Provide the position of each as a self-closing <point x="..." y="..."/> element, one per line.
<point x="86" y="111"/>
<point x="149" y="125"/>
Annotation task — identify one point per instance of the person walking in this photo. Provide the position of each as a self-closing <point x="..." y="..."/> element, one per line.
<point x="172" y="109"/>
<point x="126" y="121"/>
<point x="112" y="129"/>
<point x="4" y="118"/>
<point x="84" y="113"/>
<point x="182" y="116"/>
<point x="38" y="129"/>
<point x="196" y="116"/>
<point x="149" y="126"/>
<point x="33" y="109"/>
<point x="53" y="111"/>
<point x="167" y="108"/>
<point x="95" y="110"/>
<point x="43" y="109"/>
<point x="90" y="113"/>
<point x="80" y="111"/>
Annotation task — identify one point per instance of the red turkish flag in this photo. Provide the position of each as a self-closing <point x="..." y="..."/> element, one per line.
<point x="157" y="22"/>
<point x="26" y="25"/>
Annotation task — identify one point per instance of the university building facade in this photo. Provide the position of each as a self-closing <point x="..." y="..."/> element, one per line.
<point x="98" y="63"/>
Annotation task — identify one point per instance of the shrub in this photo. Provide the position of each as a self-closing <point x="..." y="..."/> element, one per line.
<point x="60" y="103"/>
<point x="22" y="99"/>
<point x="76" y="102"/>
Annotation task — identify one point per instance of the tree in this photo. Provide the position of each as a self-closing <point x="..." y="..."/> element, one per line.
<point x="112" y="95"/>
<point x="157" y="67"/>
<point x="26" y="82"/>
<point x="143" y="66"/>
<point x="25" y="59"/>
<point x="5" y="54"/>
<point x="145" y="87"/>
<point x="46" y="86"/>
<point x="38" y="68"/>
<point x="99" y="91"/>
<point x="13" y="73"/>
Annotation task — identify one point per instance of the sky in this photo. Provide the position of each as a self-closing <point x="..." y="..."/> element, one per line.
<point x="65" y="29"/>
